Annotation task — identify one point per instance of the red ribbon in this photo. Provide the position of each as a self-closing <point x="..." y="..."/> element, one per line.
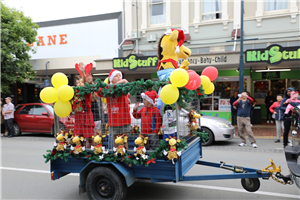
<point x="61" y="143"/>
<point x="78" y="146"/>
<point x="150" y="161"/>
<point x="175" y="63"/>
<point x="99" y="145"/>
<point x="172" y="150"/>
<point x="140" y="148"/>
<point x="120" y="147"/>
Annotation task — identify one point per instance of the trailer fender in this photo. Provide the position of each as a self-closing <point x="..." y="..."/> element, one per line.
<point x="124" y="170"/>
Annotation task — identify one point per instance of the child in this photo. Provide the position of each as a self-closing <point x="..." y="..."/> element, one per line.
<point x="293" y="98"/>
<point x="169" y="126"/>
<point x="84" y="123"/>
<point x="274" y="108"/>
<point x="151" y="118"/>
<point x="119" y="119"/>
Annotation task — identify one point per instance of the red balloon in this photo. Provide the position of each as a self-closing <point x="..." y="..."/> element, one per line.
<point x="194" y="81"/>
<point x="211" y="72"/>
<point x="191" y="71"/>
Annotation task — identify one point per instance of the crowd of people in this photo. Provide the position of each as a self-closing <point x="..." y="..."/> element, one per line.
<point x="281" y="111"/>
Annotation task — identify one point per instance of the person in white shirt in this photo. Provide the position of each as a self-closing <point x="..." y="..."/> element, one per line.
<point x="8" y="113"/>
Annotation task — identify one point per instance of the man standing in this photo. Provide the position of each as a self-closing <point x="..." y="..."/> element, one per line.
<point x="243" y="105"/>
<point x="8" y="113"/>
<point x="233" y="108"/>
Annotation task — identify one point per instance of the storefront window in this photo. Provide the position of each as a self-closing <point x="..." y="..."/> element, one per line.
<point x="294" y="84"/>
<point x="278" y="87"/>
<point x="224" y="90"/>
<point x="261" y="89"/>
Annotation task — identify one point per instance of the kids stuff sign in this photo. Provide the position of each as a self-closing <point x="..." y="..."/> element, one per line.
<point x="273" y="54"/>
<point x="132" y="62"/>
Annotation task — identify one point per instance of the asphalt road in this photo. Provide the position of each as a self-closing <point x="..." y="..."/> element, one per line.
<point x="24" y="174"/>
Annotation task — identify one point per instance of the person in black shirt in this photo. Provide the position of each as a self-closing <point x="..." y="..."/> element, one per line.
<point x="269" y="100"/>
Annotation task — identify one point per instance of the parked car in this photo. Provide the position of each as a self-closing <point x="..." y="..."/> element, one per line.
<point x="38" y="118"/>
<point x="218" y="129"/>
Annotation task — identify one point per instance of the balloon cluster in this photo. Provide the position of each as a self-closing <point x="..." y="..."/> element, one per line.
<point x="190" y="80"/>
<point x="60" y="94"/>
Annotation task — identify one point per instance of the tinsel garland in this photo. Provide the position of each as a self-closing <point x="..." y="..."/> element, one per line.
<point x="137" y="87"/>
<point x="203" y="135"/>
<point x="127" y="158"/>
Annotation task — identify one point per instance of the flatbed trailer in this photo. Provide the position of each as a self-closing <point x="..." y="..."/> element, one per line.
<point x="109" y="180"/>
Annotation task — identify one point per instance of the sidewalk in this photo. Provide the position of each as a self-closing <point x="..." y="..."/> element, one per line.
<point x="265" y="130"/>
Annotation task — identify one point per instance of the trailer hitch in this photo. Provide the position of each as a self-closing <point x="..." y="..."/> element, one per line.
<point x="234" y="168"/>
<point x="273" y="169"/>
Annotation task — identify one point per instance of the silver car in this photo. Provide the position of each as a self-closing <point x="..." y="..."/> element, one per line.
<point x="218" y="129"/>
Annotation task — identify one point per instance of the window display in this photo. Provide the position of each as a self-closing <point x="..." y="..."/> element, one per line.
<point x="261" y="89"/>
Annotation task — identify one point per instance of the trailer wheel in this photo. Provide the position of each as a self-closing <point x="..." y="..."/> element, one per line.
<point x="250" y="184"/>
<point x="105" y="183"/>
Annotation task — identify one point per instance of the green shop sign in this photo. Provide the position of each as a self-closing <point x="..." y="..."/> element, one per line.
<point x="273" y="54"/>
<point x="132" y="62"/>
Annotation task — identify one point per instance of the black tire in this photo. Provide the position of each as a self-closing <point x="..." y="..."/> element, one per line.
<point x="17" y="129"/>
<point x="105" y="183"/>
<point x="211" y="137"/>
<point x="61" y="127"/>
<point x="250" y="184"/>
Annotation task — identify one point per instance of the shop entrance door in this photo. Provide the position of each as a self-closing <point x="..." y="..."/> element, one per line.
<point x="278" y="87"/>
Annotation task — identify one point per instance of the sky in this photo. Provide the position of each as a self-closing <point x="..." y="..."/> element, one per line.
<point x="48" y="10"/>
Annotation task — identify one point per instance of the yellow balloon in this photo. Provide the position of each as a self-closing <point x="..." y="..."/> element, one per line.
<point x="210" y="89"/>
<point x="49" y="95"/>
<point x="65" y="92"/>
<point x="62" y="108"/>
<point x="179" y="77"/>
<point x="104" y="99"/>
<point x="59" y="79"/>
<point x="205" y="81"/>
<point x="169" y="94"/>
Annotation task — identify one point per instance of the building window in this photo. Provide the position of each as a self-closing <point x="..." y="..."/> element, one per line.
<point x="294" y="43"/>
<point x="211" y="9"/>
<point x="247" y="46"/>
<point x="149" y="53"/>
<point x="275" y="5"/>
<point x="200" y="50"/>
<point x="229" y="48"/>
<point x="260" y="46"/>
<point x="157" y="11"/>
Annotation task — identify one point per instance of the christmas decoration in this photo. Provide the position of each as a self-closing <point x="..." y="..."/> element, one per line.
<point x="99" y="149"/>
<point x="141" y="141"/>
<point x="61" y="138"/>
<point x="172" y="154"/>
<point x="193" y="125"/>
<point x="120" y="141"/>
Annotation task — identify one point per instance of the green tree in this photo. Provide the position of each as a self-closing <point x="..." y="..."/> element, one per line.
<point x="17" y="31"/>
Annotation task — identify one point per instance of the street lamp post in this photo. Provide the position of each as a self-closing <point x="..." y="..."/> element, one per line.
<point x="241" y="65"/>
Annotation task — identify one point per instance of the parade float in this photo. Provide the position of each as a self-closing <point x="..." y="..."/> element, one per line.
<point x="106" y="170"/>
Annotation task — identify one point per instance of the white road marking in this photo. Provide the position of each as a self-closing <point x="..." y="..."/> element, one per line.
<point x="32" y="170"/>
<point x="173" y="184"/>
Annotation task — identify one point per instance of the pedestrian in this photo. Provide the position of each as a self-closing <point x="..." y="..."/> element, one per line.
<point x="243" y="105"/>
<point x="269" y="100"/>
<point x="252" y="107"/>
<point x="275" y="109"/>
<point x="151" y="118"/>
<point x="233" y="108"/>
<point x="287" y="117"/>
<point x="8" y="113"/>
<point x="2" y="118"/>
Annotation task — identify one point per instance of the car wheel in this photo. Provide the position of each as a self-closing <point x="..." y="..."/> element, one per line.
<point x="61" y="127"/>
<point x="210" y="137"/>
<point x="17" y="129"/>
<point x="105" y="183"/>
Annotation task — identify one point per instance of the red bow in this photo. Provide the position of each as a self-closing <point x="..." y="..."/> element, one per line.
<point x="150" y="161"/>
<point x="78" y="146"/>
<point x="61" y="143"/>
<point x="140" y="148"/>
<point x="99" y="145"/>
<point x="175" y="63"/>
<point x="172" y="150"/>
<point x="120" y="147"/>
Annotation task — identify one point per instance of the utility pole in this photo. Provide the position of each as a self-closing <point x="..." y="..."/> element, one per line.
<point x="47" y="80"/>
<point x="241" y="66"/>
<point x="137" y="27"/>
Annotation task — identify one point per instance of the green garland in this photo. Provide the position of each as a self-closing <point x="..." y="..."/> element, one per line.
<point x="137" y="87"/>
<point x="111" y="157"/>
<point x="203" y="135"/>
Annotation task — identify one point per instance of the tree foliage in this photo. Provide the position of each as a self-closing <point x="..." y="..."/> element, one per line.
<point x="17" y="31"/>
